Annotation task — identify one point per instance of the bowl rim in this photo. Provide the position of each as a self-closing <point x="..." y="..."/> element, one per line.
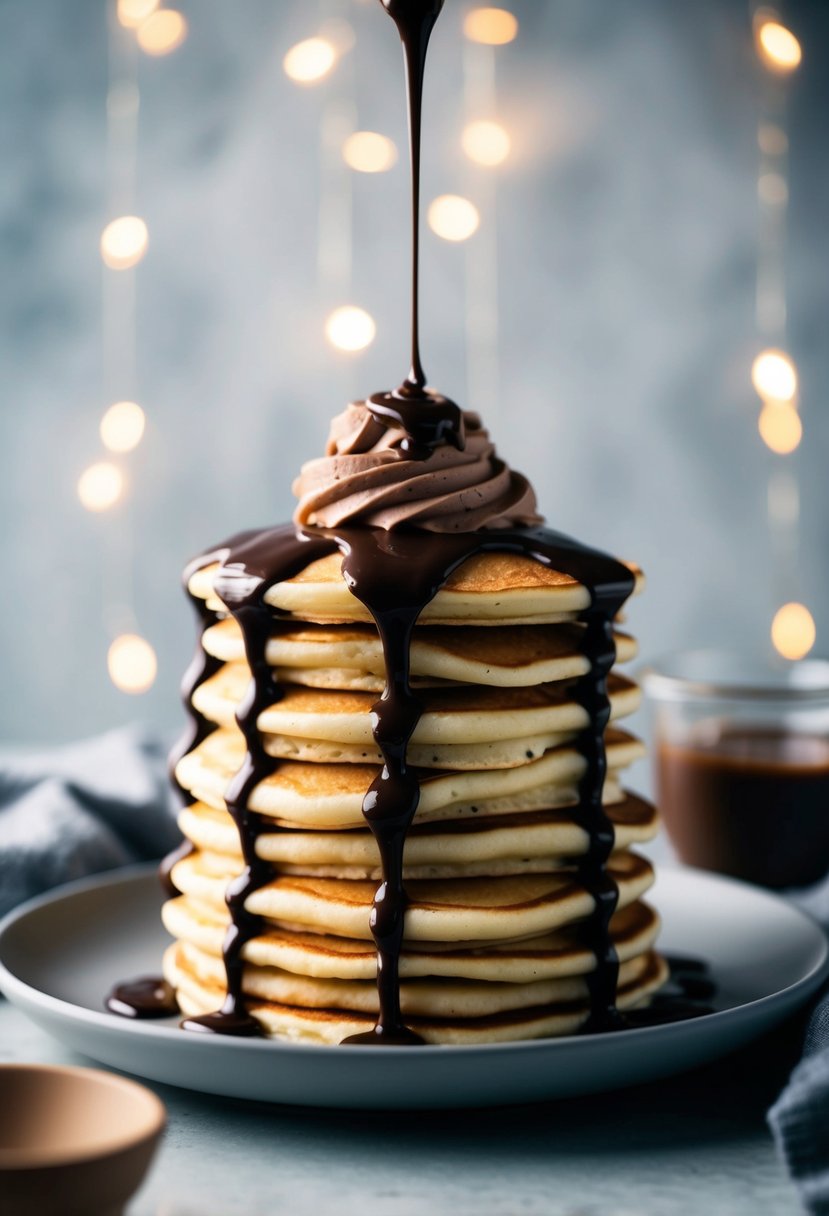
<point x="150" y="1127"/>
<point x="662" y="678"/>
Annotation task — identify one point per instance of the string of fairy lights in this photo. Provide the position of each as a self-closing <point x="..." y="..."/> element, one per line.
<point x="138" y="27"/>
<point x="773" y="372"/>
<point x="134" y="27"/>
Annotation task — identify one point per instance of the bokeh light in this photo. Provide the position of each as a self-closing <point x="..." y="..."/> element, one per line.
<point x="774" y="376"/>
<point x="452" y="217"/>
<point x="793" y="631"/>
<point x="124" y="242"/>
<point x="131" y="663"/>
<point x="780" y="427"/>
<point x="122" y="426"/>
<point x="369" y="152"/>
<point x="772" y="189"/>
<point x="350" y="328"/>
<point x="100" y="486"/>
<point x="131" y="13"/>
<point x="485" y="142"/>
<point x="491" y="26"/>
<point x="772" y="140"/>
<point x="779" y="48"/>
<point x="310" y="60"/>
<point x="163" y="32"/>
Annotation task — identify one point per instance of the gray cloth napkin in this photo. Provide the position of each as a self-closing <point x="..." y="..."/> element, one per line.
<point x="799" y="1118"/>
<point x="79" y="809"/>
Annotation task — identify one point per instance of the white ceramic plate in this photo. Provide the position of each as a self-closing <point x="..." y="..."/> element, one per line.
<point x="60" y="955"/>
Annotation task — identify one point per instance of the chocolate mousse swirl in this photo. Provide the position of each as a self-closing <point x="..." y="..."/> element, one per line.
<point x="365" y="477"/>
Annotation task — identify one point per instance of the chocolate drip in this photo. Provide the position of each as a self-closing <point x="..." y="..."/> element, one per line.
<point x="428" y="418"/>
<point x="242" y="582"/>
<point x="202" y="667"/>
<point x="148" y="997"/>
<point x="395" y="575"/>
<point x="165" y="870"/>
<point x="688" y="994"/>
<point x="591" y="693"/>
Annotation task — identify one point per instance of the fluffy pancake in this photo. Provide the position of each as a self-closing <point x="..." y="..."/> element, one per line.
<point x="490" y="588"/>
<point x="351" y="656"/>
<point x="328" y="796"/>
<point x="427" y="996"/>
<point x="332" y="1025"/>
<point x="548" y="956"/>
<point x="492" y="845"/>
<point x="461" y="715"/>
<point x="476" y="909"/>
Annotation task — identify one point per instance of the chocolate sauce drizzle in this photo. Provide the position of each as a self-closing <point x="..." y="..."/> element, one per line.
<point x="428" y="418"/>
<point x="202" y="667"/>
<point x="395" y="575"/>
<point x="150" y="996"/>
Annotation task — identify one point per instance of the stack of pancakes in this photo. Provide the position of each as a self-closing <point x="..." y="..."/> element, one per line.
<point x="493" y="946"/>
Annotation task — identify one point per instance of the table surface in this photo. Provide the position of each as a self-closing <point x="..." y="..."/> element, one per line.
<point x="695" y="1144"/>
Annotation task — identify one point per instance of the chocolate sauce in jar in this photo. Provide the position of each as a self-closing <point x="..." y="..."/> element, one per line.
<point x="749" y="801"/>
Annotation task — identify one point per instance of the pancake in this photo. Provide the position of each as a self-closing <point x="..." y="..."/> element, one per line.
<point x="458" y="716"/>
<point x="487" y="589"/>
<point x="332" y="1025"/>
<point x="551" y="955"/>
<point x="472" y="846"/>
<point x="351" y="656"/>
<point x="425" y="997"/>
<point x="477" y="909"/>
<point x="465" y="728"/>
<point x="326" y="796"/>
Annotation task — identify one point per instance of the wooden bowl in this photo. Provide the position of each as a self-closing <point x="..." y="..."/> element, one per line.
<point x="73" y="1141"/>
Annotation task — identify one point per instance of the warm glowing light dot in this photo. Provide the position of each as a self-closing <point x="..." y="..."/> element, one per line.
<point x="350" y="328"/>
<point x="163" y="32"/>
<point x="369" y="152"/>
<point x="453" y="218"/>
<point x="772" y="140"/>
<point x="779" y="47"/>
<point x="793" y="631"/>
<point x="131" y="663"/>
<point x="100" y="486"/>
<point x="310" y="61"/>
<point x="124" y="242"/>
<point x="487" y="143"/>
<point x="780" y="427"/>
<point x="132" y="12"/>
<point x="774" y="376"/>
<point x="122" y="426"/>
<point x="492" y="26"/>
<point x="772" y="189"/>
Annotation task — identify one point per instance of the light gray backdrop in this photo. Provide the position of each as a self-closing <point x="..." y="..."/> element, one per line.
<point x="627" y="228"/>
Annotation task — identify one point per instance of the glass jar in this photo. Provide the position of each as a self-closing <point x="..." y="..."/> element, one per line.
<point x="741" y="760"/>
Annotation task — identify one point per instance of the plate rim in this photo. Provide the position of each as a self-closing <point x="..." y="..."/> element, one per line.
<point x="12" y="986"/>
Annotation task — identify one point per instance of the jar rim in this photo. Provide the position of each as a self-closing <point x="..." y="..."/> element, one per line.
<point x="734" y="676"/>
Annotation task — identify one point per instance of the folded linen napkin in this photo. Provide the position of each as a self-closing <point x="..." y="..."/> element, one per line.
<point x="80" y="809"/>
<point x="799" y="1118"/>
